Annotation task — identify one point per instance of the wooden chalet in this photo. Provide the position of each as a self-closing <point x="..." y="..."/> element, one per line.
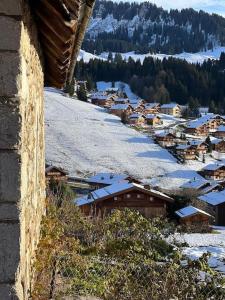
<point x="204" y="125"/>
<point x="112" y="90"/>
<point x="187" y="152"/>
<point x="172" y="109"/>
<point x="61" y="26"/>
<point x="121" y="109"/>
<point x="201" y="186"/>
<point x="138" y="108"/>
<point x="191" y="215"/>
<point x="136" y="119"/>
<point x="101" y="202"/>
<point x="101" y="180"/>
<point x="216" y="204"/>
<point x="152" y="108"/>
<point x="103" y="100"/>
<point x="218" y="145"/>
<point x="153" y="120"/>
<point x="220" y="132"/>
<point x="214" y="172"/>
<point x="197" y="129"/>
<point x="56" y="174"/>
<point x="199" y="146"/>
<point x="165" y="139"/>
<point x="121" y="100"/>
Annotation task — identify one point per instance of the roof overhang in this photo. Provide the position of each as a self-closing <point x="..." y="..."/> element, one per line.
<point x="61" y="25"/>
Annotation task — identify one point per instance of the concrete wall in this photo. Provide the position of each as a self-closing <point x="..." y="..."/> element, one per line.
<point x="22" y="184"/>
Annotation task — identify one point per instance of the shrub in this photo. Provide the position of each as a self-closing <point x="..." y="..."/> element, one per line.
<point x="123" y="256"/>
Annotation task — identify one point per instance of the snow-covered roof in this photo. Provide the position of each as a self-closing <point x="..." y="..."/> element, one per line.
<point x="221" y="128"/>
<point x="190" y="211"/>
<point x="212" y="186"/>
<point x="202" y="120"/>
<point x="163" y="134"/>
<point x="151" y="105"/>
<point x="50" y="168"/>
<point x="216" y="141"/>
<point x="107" y="178"/>
<point x="151" y="116"/>
<point x="136" y="116"/>
<point x="169" y="105"/>
<point x="196" y="143"/>
<point x="213" y="167"/>
<point x="195" y="184"/>
<point x="120" y="106"/>
<point x="99" y="97"/>
<point x="124" y="100"/>
<point x="112" y="89"/>
<point x="214" y="198"/>
<point x="116" y="188"/>
<point x="183" y="147"/>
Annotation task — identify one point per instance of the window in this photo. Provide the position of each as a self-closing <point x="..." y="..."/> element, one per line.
<point x="151" y="199"/>
<point x="128" y="195"/>
<point x="138" y="196"/>
<point x="115" y="198"/>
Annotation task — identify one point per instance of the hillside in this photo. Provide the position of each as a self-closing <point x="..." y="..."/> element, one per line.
<point x="144" y="27"/>
<point x="193" y="58"/>
<point x="84" y="139"/>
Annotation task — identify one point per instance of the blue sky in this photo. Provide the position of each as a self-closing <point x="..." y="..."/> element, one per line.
<point x="211" y="6"/>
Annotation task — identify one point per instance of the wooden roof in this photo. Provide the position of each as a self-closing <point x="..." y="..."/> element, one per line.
<point x="61" y="25"/>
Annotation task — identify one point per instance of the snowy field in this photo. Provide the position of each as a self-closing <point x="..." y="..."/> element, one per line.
<point x="214" y="243"/>
<point x="198" y="57"/>
<point x="103" y="85"/>
<point x="84" y="139"/>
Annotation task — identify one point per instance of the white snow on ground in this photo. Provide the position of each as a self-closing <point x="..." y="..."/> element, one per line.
<point x="200" y="243"/>
<point x="86" y="56"/>
<point x="103" y="85"/>
<point x="198" y="57"/>
<point x="84" y="139"/>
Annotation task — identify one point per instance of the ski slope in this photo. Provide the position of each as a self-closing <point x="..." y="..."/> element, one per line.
<point x="84" y="139"/>
<point x="198" y="57"/>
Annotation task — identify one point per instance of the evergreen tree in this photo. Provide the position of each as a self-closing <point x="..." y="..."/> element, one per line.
<point x="82" y="93"/>
<point x="209" y="143"/>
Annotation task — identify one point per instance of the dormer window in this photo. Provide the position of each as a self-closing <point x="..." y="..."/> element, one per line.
<point x="102" y="178"/>
<point x="111" y="177"/>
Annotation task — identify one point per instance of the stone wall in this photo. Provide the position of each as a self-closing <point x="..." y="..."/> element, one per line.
<point x="22" y="184"/>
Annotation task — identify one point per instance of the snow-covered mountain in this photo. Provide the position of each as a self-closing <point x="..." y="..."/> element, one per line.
<point x="143" y="27"/>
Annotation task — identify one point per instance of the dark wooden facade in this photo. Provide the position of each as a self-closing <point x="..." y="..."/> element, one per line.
<point x="197" y="219"/>
<point x="201" y="130"/>
<point x="219" y="147"/>
<point x="55" y="174"/>
<point x="220" y="214"/>
<point x="217" y="174"/>
<point x="167" y="140"/>
<point x="149" y="205"/>
<point x="188" y="153"/>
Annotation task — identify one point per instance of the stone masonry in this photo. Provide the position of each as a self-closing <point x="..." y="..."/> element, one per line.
<point x="22" y="182"/>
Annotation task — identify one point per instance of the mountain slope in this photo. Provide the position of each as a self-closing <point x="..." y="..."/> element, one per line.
<point x="192" y="58"/>
<point x="144" y="27"/>
<point x="84" y="139"/>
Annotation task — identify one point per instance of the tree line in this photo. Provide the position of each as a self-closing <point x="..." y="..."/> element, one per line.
<point x="163" y="80"/>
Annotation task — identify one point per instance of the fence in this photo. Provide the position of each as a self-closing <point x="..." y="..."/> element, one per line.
<point x="123" y="257"/>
